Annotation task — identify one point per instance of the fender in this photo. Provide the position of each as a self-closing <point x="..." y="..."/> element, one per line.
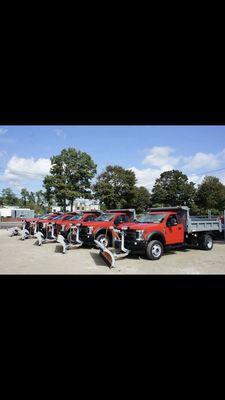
<point x="103" y="231"/>
<point x="156" y="233"/>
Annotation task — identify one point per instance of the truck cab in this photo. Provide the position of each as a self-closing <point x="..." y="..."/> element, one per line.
<point x="163" y="226"/>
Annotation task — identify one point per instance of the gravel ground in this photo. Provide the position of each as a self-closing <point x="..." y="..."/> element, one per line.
<point x="25" y="257"/>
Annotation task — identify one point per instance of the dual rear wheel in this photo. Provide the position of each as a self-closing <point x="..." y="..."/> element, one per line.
<point x="206" y="242"/>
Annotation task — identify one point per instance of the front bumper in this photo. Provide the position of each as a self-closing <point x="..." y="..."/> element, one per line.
<point x="86" y="238"/>
<point x="136" y="246"/>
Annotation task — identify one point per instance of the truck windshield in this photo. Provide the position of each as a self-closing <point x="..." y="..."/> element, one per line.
<point x="76" y="217"/>
<point x="46" y="217"/>
<point x="58" y="217"/>
<point x="152" y="218"/>
<point x="105" y="217"/>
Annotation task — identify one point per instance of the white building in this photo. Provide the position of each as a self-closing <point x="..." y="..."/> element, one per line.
<point x="16" y="212"/>
<point x="80" y="205"/>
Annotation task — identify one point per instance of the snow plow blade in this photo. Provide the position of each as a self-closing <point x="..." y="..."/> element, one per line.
<point x="40" y="237"/>
<point x="109" y="257"/>
<point x="69" y="246"/>
<point x="106" y="254"/>
<point x="14" y="231"/>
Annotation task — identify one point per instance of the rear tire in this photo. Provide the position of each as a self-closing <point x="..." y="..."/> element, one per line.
<point x="206" y="242"/>
<point x="154" y="250"/>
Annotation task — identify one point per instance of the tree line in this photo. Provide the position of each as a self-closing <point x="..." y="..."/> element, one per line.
<point x="33" y="200"/>
<point x="71" y="176"/>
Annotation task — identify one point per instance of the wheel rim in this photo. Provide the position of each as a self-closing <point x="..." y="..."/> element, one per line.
<point x="209" y="243"/>
<point x="156" y="250"/>
<point x="104" y="241"/>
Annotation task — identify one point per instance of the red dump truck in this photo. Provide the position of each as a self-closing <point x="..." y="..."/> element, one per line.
<point x="159" y="229"/>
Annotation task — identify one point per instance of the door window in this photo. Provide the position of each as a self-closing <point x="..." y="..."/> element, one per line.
<point x="121" y="219"/>
<point x="172" y="220"/>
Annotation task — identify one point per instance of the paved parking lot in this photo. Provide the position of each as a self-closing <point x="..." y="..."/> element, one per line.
<point x="25" y="257"/>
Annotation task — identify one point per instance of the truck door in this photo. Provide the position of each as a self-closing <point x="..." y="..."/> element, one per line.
<point x="174" y="230"/>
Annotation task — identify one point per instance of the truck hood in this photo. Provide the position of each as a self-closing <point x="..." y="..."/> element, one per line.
<point x="95" y="224"/>
<point x="139" y="226"/>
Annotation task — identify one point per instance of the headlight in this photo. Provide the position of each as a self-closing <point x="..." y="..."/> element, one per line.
<point x="90" y="229"/>
<point x="140" y="235"/>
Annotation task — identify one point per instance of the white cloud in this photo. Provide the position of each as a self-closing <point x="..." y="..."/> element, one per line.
<point x="146" y="176"/>
<point x="26" y="168"/>
<point x="60" y="133"/>
<point x="160" y="156"/>
<point x="160" y="159"/>
<point x="3" y="131"/>
<point x="203" y="160"/>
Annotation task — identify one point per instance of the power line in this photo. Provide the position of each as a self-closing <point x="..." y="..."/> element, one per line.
<point x="212" y="170"/>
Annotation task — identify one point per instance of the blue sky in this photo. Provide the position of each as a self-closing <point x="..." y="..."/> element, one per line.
<point x="148" y="150"/>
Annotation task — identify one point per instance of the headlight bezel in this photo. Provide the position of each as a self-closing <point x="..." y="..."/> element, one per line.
<point x="140" y="234"/>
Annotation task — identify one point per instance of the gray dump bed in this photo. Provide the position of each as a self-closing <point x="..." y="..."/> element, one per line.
<point x="204" y="225"/>
<point x="193" y="224"/>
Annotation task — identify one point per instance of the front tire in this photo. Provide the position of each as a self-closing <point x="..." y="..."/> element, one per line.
<point x="154" y="250"/>
<point x="105" y="239"/>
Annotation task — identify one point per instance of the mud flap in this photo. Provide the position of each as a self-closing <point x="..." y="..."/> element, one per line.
<point x="106" y="254"/>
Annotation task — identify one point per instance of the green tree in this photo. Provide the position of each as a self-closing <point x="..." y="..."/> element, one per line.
<point x="31" y="198"/>
<point x="70" y="177"/>
<point x="142" y="199"/>
<point x="49" y="191"/>
<point x="115" y="187"/>
<point x="24" y="196"/>
<point x="173" y="189"/>
<point x="40" y="199"/>
<point x="8" y="197"/>
<point x="211" y="195"/>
